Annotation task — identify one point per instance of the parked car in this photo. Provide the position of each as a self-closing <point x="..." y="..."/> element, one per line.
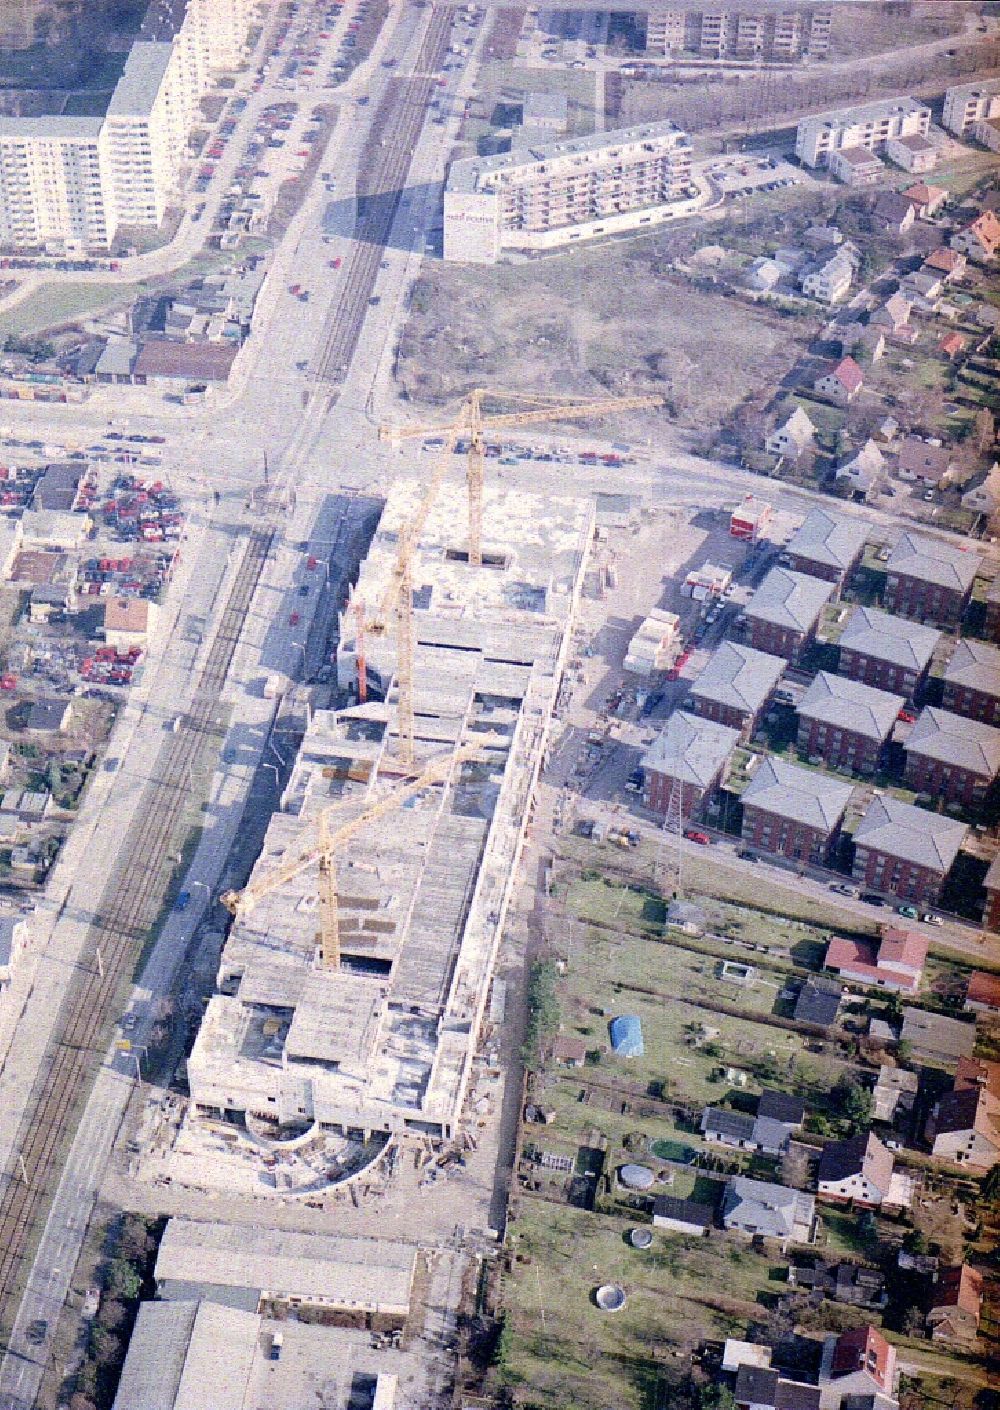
<point x="910" y="912"/>
<point x="702" y="838"/>
<point x="871" y="898"/>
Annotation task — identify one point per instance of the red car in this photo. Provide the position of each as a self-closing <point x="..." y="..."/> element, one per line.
<point x="907" y="717"/>
<point x="336" y="263"/>
<point x="701" y="838"/>
<point x="294" y="619"/>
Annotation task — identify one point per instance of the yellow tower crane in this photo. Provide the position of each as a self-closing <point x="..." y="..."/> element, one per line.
<point x="322" y="852"/>
<point x="471" y="422"/>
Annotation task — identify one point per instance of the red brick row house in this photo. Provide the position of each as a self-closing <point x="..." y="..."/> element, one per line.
<point x="736" y="685"/>
<point x="929" y="580"/>
<point x="686" y="761"/>
<point x="950" y="757"/>
<point x="972" y="682"/>
<point x="846" y="723"/>
<point x="827" y="546"/>
<point x="887" y="652"/>
<point x="784" y="612"/>
<point x="904" y="851"/>
<point x="793" y="811"/>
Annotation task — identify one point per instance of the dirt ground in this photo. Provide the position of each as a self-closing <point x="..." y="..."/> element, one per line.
<point x="610" y="318"/>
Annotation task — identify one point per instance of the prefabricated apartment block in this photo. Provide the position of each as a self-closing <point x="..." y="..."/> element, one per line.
<point x="573" y="189"/>
<point x="385" y="1042"/>
<point x="869" y="126"/>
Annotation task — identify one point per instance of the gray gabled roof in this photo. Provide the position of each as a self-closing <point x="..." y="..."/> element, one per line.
<point x="739" y="676"/>
<point x="975" y="665"/>
<point x="691" y="749"/>
<point x="850" y="705"/>
<point x="801" y="795"/>
<point x="829" y="538"/>
<point x="911" y="834"/>
<point x="790" y="599"/>
<point x="879" y="634"/>
<point x="768" y="1209"/>
<point x="953" y="739"/>
<point x="934" y="562"/>
<point x="733" y="1124"/>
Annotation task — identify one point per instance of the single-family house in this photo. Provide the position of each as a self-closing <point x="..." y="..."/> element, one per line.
<point x="736" y="685"/>
<point x="952" y="346"/>
<point x="846" y="723"/>
<point x="895" y="1093"/>
<point x="931" y="465"/>
<point x="762" y="1388"/>
<point x="755" y="1207"/>
<point x="886" y="652"/>
<point x="904" y="851"/>
<point x="948" y="265"/>
<point x="840" y="381"/>
<point x="983" y="497"/>
<point x="860" y="473"/>
<point x="964" y="1127"/>
<point x="893" y="213"/>
<point x="895" y="961"/>
<point x="927" y="200"/>
<point x="983" y="992"/>
<point x="930" y="580"/>
<point x="685" y="763"/>
<point x="980" y="239"/>
<point x="784" y="612"/>
<point x="951" y="757"/>
<point x="893" y="315"/>
<point x="818" y="1001"/>
<point x="856" y="1171"/>
<point x="682" y="1216"/>
<point x="794" y="437"/>
<point x="858" y="1363"/>
<point x="923" y="290"/>
<point x="956" y="1305"/>
<point x="830" y="278"/>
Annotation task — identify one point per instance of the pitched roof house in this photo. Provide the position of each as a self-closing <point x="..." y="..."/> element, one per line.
<point x="980" y="239"/>
<point x="827" y="545"/>
<point x="859" y="1170"/>
<point x="794" y="437"/>
<point x="757" y="1207"/>
<point x="956" y="1304"/>
<point x="894" y="962"/>
<point x="983" y="993"/>
<point x="927" y="200"/>
<point x="840" y="381"/>
<point x="858" y="1362"/>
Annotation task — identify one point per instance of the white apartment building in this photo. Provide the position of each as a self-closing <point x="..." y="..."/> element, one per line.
<point x="970" y="103"/>
<point x="55" y="183"/>
<point x="783" y="35"/>
<point x="870" y="125"/>
<point x="145" y="130"/>
<point x="553" y="193"/>
<point x="67" y="184"/>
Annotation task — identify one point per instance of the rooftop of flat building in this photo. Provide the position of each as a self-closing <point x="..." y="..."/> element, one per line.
<point x="475" y="173"/>
<point x="135" y="92"/>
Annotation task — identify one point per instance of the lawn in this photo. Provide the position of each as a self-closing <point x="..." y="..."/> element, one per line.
<point x="567" y="1352"/>
<point x="56" y="304"/>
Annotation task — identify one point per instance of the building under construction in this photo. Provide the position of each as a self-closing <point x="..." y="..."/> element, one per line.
<point x="376" y="1030"/>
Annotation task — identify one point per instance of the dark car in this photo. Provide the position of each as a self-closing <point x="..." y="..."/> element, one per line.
<point x="747" y="856"/>
<point x="37" y="1331"/>
<point x="871" y="898"/>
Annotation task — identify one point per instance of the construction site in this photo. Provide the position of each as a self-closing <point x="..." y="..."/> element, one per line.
<point x="352" y="985"/>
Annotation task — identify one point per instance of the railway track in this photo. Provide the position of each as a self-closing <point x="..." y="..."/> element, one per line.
<point x="401" y="114"/>
<point x="129" y="906"/>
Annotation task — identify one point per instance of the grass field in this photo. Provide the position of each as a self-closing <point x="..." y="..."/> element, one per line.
<point x="568" y="1353"/>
